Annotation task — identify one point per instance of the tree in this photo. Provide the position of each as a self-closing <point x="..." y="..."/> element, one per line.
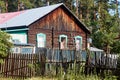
<point x="2" y="6"/>
<point x="5" y="45"/>
<point x="39" y="3"/>
<point x="116" y="48"/>
<point x="27" y="4"/>
<point x="105" y="35"/>
<point x="104" y="27"/>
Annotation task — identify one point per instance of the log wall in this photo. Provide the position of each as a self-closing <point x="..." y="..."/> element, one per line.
<point x="62" y="23"/>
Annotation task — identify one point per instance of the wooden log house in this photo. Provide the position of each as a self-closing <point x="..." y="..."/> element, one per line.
<point x="53" y="26"/>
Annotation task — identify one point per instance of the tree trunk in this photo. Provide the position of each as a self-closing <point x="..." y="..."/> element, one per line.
<point x="107" y="49"/>
<point x="94" y="13"/>
<point x="87" y="14"/>
<point x="117" y="8"/>
<point x="77" y="8"/>
<point x="80" y="11"/>
<point x="18" y="5"/>
<point x="6" y="5"/>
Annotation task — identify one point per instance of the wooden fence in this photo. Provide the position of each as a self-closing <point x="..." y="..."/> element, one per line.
<point x="48" y="60"/>
<point x="18" y="65"/>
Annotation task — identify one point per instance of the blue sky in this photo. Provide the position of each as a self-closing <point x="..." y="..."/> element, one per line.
<point x="113" y="12"/>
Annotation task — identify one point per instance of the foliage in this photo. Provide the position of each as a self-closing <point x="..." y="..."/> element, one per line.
<point x="116" y="47"/>
<point x="5" y="44"/>
<point x="28" y="3"/>
<point x="75" y="74"/>
<point x="12" y="5"/>
<point x="2" y="6"/>
<point x="104" y="36"/>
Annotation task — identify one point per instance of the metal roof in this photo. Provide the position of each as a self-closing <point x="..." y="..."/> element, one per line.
<point x="26" y="17"/>
<point x="95" y="49"/>
<point x="22" y="44"/>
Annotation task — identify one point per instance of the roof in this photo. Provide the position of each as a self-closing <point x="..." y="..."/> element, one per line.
<point x="22" y="44"/>
<point x="95" y="49"/>
<point x="27" y="17"/>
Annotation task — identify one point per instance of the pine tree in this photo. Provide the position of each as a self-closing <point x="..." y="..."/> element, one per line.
<point x="105" y="36"/>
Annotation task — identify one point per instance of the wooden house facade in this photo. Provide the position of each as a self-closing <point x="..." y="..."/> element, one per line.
<point x="52" y="26"/>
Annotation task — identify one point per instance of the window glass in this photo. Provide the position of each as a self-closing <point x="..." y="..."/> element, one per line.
<point x="26" y="50"/>
<point x="19" y="38"/>
<point x="41" y="40"/>
<point x="78" y="42"/>
<point x="63" y="41"/>
<point x="16" y="50"/>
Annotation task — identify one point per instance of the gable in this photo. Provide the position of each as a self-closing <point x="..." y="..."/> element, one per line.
<point x="61" y="20"/>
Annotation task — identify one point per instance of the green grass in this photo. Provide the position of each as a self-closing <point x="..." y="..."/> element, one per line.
<point x="34" y="78"/>
<point x="67" y="77"/>
<point x="72" y="74"/>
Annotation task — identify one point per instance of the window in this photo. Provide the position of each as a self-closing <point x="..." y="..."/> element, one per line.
<point x="63" y="41"/>
<point x="19" y="38"/>
<point x="41" y="40"/>
<point x="16" y="50"/>
<point x="78" y="42"/>
<point x="26" y="50"/>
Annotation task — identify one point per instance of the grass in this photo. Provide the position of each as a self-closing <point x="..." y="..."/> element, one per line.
<point x="39" y="78"/>
<point x="68" y="77"/>
<point x="34" y="78"/>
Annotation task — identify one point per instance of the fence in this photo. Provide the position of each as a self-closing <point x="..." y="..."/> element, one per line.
<point x="49" y="60"/>
<point x="18" y="65"/>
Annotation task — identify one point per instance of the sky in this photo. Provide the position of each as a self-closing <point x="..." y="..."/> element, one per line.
<point x="113" y="12"/>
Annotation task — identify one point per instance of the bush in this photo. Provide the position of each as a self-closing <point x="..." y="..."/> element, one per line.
<point x="5" y="45"/>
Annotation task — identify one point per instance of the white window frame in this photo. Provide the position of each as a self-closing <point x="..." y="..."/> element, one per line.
<point x="65" y="36"/>
<point x="44" y="38"/>
<point x="76" y="37"/>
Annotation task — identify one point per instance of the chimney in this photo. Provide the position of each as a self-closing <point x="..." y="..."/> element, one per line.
<point x="48" y="3"/>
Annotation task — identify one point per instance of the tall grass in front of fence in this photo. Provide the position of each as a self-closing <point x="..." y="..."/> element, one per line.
<point x="69" y="74"/>
<point x="75" y="74"/>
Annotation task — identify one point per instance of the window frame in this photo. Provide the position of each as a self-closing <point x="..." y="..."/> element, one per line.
<point x="80" y="37"/>
<point x="66" y="37"/>
<point x="44" y="37"/>
<point x="19" y="34"/>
